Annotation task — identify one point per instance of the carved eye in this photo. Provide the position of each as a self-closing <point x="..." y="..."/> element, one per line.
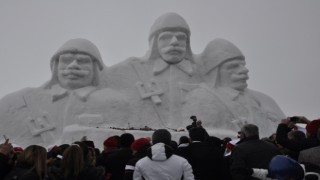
<point x="165" y="37"/>
<point x="181" y="37"/>
<point x="83" y="60"/>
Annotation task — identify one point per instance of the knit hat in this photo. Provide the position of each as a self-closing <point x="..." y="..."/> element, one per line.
<point x="111" y="142"/>
<point x="140" y="144"/>
<point x="313" y="126"/>
<point x="282" y="167"/>
<point x="16" y="148"/>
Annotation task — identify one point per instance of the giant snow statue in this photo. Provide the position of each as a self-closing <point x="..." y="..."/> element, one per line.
<point x="157" y="83"/>
<point x="223" y="101"/>
<point x="160" y="90"/>
<point x="73" y="95"/>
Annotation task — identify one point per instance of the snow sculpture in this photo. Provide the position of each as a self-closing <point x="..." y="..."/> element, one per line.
<point x="223" y="101"/>
<point x="74" y="95"/>
<point x="157" y="82"/>
<point x="160" y="90"/>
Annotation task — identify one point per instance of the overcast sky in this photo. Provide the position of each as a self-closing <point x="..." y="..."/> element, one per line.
<point x="280" y="39"/>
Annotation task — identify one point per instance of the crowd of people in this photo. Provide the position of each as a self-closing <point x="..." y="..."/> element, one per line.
<point x="289" y="154"/>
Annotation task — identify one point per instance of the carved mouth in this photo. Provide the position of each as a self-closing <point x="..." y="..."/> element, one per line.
<point x="75" y="74"/>
<point x="174" y="52"/>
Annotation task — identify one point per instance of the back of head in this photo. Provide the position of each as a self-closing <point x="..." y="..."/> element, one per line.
<point x="126" y="140"/>
<point x="313" y="128"/>
<point x="250" y="130"/>
<point x="174" y="145"/>
<point x="84" y="148"/>
<point x="34" y="156"/>
<point x="72" y="162"/>
<point x="282" y="167"/>
<point x="183" y="140"/>
<point x="296" y="135"/>
<point x="197" y="134"/>
<point x="111" y="142"/>
<point x="161" y="136"/>
<point x="140" y="145"/>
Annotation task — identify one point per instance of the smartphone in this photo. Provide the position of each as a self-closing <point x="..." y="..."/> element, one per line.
<point x="295" y="119"/>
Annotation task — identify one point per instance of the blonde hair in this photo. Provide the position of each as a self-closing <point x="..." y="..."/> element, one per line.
<point x="36" y="157"/>
<point x="72" y="162"/>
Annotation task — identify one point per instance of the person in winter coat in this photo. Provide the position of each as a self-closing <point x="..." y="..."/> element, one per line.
<point x="250" y="152"/>
<point x="206" y="159"/>
<point x="160" y="162"/>
<point x="31" y="164"/>
<point x="116" y="162"/>
<point x="5" y="156"/>
<point x="286" y="126"/>
<point x="75" y="165"/>
<point x="139" y="148"/>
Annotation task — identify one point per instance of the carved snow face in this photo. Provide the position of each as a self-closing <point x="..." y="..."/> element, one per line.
<point x="172" y="46"/>
<point x="75" y="70"/>
<point x="233" y="74"/>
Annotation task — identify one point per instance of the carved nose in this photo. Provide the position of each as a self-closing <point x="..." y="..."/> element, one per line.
<point x="244" y="70"/>
<point x="174" y="40"/>
<point x="74" y="65"/>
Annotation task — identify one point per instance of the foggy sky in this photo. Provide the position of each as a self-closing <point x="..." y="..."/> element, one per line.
<point x="280" y="39"/>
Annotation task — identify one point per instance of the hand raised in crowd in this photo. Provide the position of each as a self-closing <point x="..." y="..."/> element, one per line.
<point x="303" y="120"/>
<point x="6" y="148"/>
<point x="291" y="121"/>
<point x="288" y="122"/>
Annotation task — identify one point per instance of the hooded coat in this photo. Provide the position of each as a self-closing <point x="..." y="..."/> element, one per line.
<point x="162" y="164"/>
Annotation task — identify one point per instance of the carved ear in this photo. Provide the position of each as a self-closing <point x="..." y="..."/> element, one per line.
<point x="96" y="75"/>
<point x="54" y="76"/>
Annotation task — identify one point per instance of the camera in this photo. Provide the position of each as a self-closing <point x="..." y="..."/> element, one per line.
<point x="194" y="123"/>
<point x="194" y="118"/>
<point x="295" y="119"/>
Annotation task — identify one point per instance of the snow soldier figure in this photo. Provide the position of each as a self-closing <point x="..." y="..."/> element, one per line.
<point x="224" y="101"/>
<point x="73" y="95"/>
<point x="157" y="82"/>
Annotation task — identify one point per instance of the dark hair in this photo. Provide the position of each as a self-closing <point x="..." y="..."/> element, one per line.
<point x="161" y="136"/>
<point x="184" y="139"/>
<point x="126" y="140"/>
<point x="197" y="134"/>
<point x="296" y="135"/>
<point x="174" y="145"/>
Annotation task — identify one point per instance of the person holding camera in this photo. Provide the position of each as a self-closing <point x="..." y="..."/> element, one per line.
<point x="194" y="123"/>
<point x="312" y="132"/>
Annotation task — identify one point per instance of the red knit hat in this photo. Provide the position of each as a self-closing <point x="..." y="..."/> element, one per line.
<point x="111" y="142"/>
<point x="313" y="127"/>
<point x="140" y="144"/>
